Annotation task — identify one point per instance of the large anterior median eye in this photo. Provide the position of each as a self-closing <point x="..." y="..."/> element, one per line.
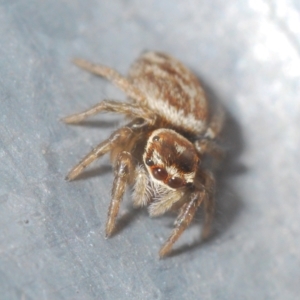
<point x="159" y="173"/>
<point x="175" y="182"/>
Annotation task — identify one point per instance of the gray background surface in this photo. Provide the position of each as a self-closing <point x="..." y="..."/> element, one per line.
<point x="52" y="243"/>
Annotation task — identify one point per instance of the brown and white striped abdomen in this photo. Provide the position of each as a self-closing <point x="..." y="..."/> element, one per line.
<point x="171" y="90"/>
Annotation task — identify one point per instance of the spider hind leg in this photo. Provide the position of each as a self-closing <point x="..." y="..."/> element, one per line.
<point x="129" y="109"/>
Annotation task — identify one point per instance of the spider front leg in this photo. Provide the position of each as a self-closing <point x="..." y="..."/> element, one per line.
<point x="123" y="172"/>
<point x="186" y="215"/>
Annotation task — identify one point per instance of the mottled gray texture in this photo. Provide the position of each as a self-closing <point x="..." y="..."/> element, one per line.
<point x="52" y="243"/>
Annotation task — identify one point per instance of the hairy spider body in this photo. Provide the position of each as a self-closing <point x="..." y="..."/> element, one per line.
<point x="160" y="151"/>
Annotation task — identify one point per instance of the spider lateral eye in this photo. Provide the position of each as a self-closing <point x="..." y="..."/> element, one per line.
<point x="156" y="138"/>
<point x="149" y="162"/>
<point x="175" y="182"/>
<point x="159" y="173"/>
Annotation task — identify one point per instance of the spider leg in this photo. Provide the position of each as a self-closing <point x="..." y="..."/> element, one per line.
<point x="117" y="79"/>
<point x="123" y="169"/>
<point x="131" y="109"/>
<point x="216" y="123"/>
<point x="186" y="215"/>
<point x="206" y="145"/>
<point x="104" y="147"/>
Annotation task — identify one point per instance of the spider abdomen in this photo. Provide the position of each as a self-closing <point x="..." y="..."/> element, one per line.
<point x="171" y="91"/>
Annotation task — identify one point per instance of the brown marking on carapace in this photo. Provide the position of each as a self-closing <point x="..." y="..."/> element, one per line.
<point x="163" y="153"/>
<point x="187" y="161"/>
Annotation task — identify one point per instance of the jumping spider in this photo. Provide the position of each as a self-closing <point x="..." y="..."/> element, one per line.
<point x="160" y="151"/>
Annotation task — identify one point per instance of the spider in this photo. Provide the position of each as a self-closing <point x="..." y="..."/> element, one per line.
<point x="159" y="152"/>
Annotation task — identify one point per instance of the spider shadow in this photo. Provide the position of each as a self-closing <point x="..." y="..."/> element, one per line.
<point x="228" y="201"/>
<point x="128" y="218"/>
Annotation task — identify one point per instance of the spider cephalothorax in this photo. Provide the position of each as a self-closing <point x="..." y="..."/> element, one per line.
<point x="159" y="152"/>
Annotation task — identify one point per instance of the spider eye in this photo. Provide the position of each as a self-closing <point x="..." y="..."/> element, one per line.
<point x="149" y="162"/>
<point x="156" y="138"/>
<point x="159" y="173"/>
<point x="175" y="182"/>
